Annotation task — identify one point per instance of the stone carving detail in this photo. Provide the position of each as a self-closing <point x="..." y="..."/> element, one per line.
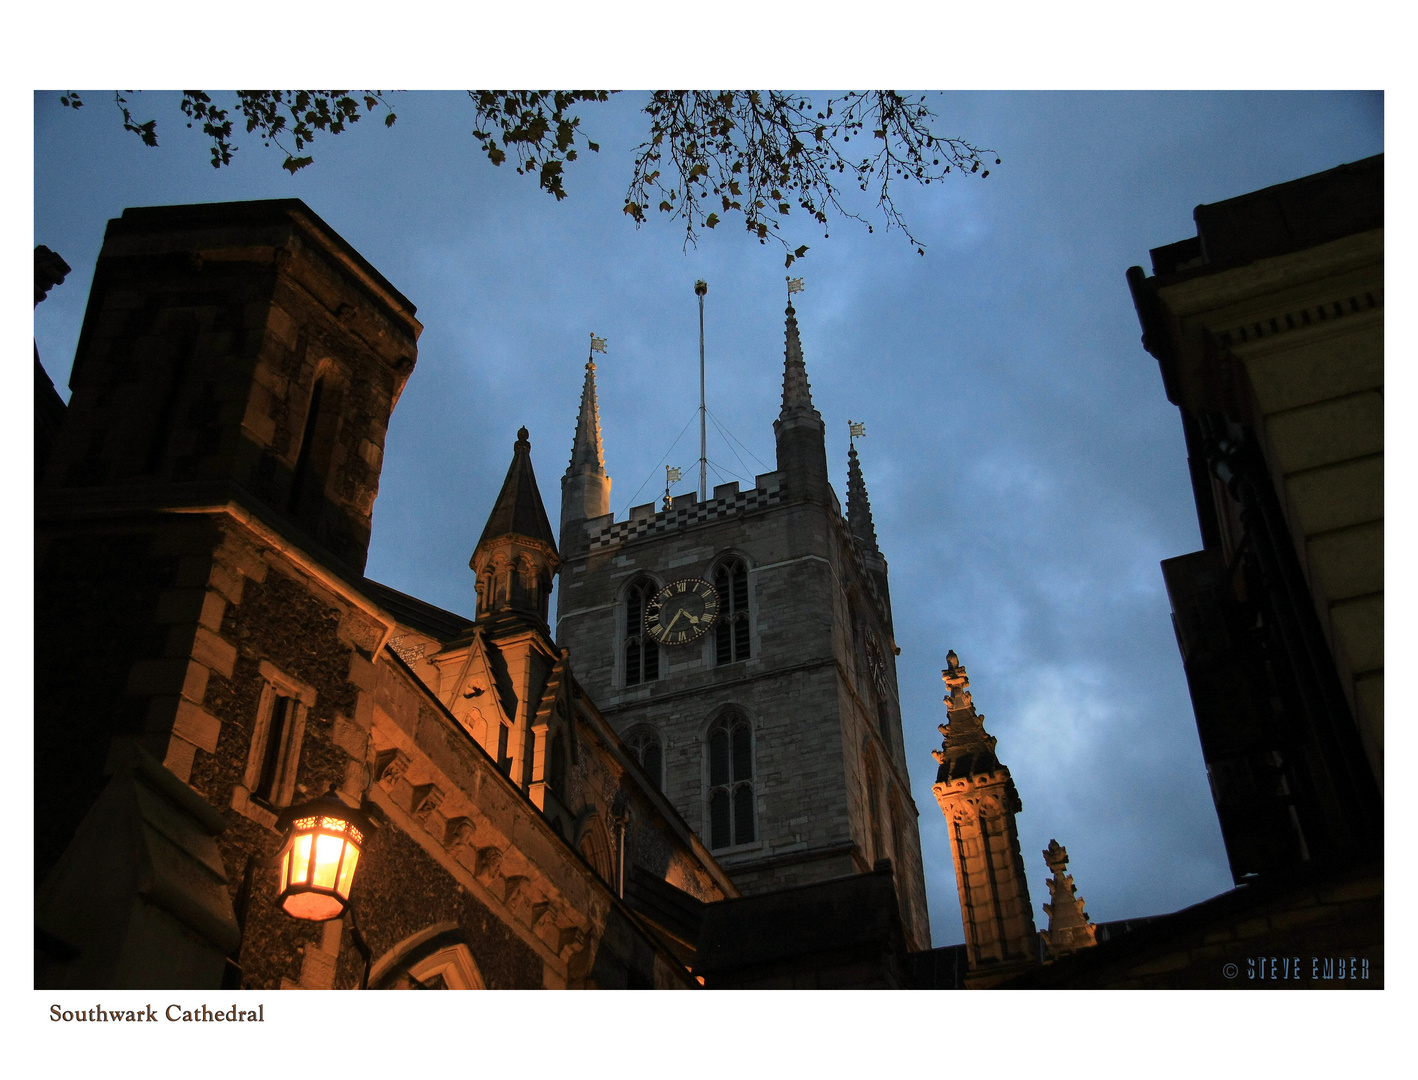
<point x="514" y="886"/>
<point x="362" y="633"/>
<point x="488" y="864"/>
<point x="573" y="940"/>
<point x="389" y="767"/>
<point x="458" y="834"/>
<point x="426" y="799"/>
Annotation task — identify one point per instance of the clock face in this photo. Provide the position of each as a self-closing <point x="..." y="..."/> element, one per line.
<point x="681" y="612"/>
<point x="876" y="665"/>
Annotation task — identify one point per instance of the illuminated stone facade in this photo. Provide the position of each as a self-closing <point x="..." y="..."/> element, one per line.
<point x="979" y="800"/>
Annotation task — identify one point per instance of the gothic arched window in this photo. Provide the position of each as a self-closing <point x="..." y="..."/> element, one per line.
<point x="731" y="640"/>
<point x="731" y="801"/>
<point x="644" y="746"/>
<point x="642" y="656"/>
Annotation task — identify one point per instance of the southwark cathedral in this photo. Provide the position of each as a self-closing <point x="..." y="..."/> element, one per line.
<point x="255" y="767"/>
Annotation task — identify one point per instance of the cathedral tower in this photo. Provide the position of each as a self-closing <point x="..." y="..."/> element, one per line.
<point x="978" y="797"/>
<point x="742" y="647"/>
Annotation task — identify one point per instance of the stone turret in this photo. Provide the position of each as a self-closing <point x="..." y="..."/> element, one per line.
<point x="1069" y="927"/>
<point x="585" y="487"/>
<point x="978" y="797"/>
<point x="798" y="431"/>
<point x="516" y="558"/>
<point x="238" y="351"/>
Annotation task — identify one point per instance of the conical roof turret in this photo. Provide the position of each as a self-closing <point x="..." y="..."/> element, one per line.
<point x="516" y="557"/>
<point x="858" y="504"/>
<point x="518" y="510"/>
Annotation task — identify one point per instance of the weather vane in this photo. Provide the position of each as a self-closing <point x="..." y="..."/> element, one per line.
<point x="795" y="284"/>
<point x="672" y="476"/>
<point x="856" y="430"/>
<point x="598" y="344"/>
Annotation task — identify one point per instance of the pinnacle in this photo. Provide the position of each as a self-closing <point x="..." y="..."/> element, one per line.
<point x="967" y="747"/>
<point x="797" y="395"/>
<point x="586" y="451"/>
<point x="858" y="504"/>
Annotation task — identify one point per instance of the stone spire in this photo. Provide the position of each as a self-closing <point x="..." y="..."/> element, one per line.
<point x="797" y="395"/>
<point x="798" y="431"/>
<point x="979" y="800"/>
<point x="585" y="487"/>
<point x="516" y="555"/>
<point x="858" y="505"/>
<point x="586" y="452"/>
<point x="1069" y="928"/>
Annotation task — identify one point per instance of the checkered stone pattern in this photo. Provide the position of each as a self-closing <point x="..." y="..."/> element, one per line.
<point x="680" y="517"/>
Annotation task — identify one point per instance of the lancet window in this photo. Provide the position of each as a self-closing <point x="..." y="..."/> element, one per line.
<point x="731" y="792"/>
<point x="642" y="656"/>
<point x="731" y="629"/>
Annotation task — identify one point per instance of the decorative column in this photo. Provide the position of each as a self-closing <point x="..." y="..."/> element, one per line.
<point x="979" y="800"/>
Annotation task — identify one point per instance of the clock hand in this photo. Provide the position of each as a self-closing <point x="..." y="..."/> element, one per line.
<point x="676" y="619"/>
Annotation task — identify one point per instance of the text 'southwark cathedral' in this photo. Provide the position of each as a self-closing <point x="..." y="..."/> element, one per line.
<point x="255" y="767"/>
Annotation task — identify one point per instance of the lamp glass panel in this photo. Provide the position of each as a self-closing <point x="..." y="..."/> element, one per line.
<point x="347" y="869"/>
<point x="300" y="859"/>
<point x="327" y="860"/>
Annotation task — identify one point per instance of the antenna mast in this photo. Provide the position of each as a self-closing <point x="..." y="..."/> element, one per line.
<point x="700" y="288"/>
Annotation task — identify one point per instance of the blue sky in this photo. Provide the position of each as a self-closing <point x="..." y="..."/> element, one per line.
<point x="1026" y="472"/>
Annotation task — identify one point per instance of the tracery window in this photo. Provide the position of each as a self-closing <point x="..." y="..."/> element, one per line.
<point x="642" y="656"/>
<point x="644" y="746"/>
<point x="731" y="796"/>
<point x="731" y="629"/>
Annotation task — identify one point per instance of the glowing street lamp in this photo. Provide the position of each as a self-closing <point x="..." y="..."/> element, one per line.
<point x="318" y="857"/>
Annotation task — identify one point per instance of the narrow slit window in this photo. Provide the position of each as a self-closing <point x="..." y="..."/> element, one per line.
<point x="277" y="743"/>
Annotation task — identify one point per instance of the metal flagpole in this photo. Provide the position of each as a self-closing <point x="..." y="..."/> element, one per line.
<point x="700" y="288"/>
